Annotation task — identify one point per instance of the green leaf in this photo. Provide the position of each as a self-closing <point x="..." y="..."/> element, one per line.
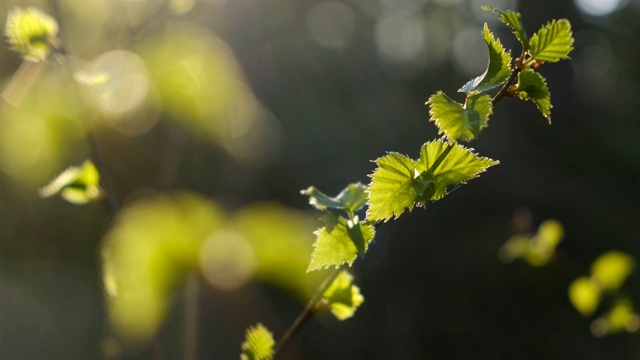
<point x="391" y="190"/>
<point x="533" y="86"/>
<point x="343" y="297"/>
<point x="460" y="165"/>
<point x="553" y="42"/>
<point x="498" y="69"/>
<point x="620" y="318"/>
<point x="31" y="32"/>
<point x="77" y="184"/>
<point x="351" y="199"/>
<point x="514" y="21"/>
<point x="339" y="242"/>
<point x="457" y="121"/>
<point x="584" y="295"/>
<point x="258" y="344"/>
<point x="610" y="270"/>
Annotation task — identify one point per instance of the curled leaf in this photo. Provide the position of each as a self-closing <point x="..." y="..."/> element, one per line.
<point x="31" y="32"/>
<point x="78" y="184"/>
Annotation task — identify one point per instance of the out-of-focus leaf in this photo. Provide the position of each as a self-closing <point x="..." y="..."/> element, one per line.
<point x="31" y="32"/>
<point x="584" y="294"/>
<point x="610" y="270"/>
<point x="343" y="297"/>
<point x="498" y="69"/>
<point x="620" y="318"/>
<point x="150" y="249"/>
<point x="258" y="344"/>
<point x="77" y="184"/>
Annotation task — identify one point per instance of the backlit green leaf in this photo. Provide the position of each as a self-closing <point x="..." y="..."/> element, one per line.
<point x="498" y="69"/>
<point x="351" y="199"/>
<point x="610" y="270"/>
<point x="553" y="42"/>
<point x="339" y="242"/>
<point x="514" y="21"/>
<point x="584" y="295"/>
<point x="343" y="296"/>
<point x="391" y="190"/>
<point x="532" y="86"/>
<point x="457" y="121"/>
<point x="460" y="165"/>
<point x="77" y="184"/>
<point x="258" y="344"/>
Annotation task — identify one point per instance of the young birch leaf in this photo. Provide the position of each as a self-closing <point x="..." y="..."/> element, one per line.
<point x="258" y="344"/>
<point x="351" y="199"/>
<point x="77" y="184"/>
<point x="514" y="21"/>
<point x="553" y="42"/>
<point x="31" y="32"/>
<point x="533" y="86"/>
<point x="457" y="121"/>
<point x="498" y="69"/>
<point x="459" y="166"/>
<point x="343" y="297"/>
<point x="391" y="190"/>
<point x="339" y="242"/>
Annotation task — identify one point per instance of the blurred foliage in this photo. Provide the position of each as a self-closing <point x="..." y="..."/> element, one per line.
<point x="537" y="249"/>
<point x="31" y="32"/>
<point x="342" y="296"/>
<point x="258" y="344"/>
<point x="77" y="184"/>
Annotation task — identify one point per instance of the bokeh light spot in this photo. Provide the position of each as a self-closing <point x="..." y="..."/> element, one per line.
<point x="331" y="24"/>
<point x="227" y="260"/>
<point x="400" y="38"/>
<point x="599" y="7"/>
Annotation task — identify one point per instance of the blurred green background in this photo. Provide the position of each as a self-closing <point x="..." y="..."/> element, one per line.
<point x="250" y="101"/>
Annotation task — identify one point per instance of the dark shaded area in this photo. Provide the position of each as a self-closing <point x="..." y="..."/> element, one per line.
<point x="434" y="287"/>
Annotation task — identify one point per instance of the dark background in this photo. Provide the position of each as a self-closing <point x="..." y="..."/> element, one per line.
<point x="345" y="88"/>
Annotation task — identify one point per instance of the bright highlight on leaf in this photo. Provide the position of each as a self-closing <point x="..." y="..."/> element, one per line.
<point x="339" y="242"/>
<point x="499" y="67"/>
<point x="400" y="183"/>
<point x="610" y="270"/>
<point x="532" y="86"/>
<point x="584" y="295"/>
<point x="457" y="121"/>
<point x="514" y="21"/>
<point x="343" y="297"/>
<point x="78" y="184"/>
<point x="258" y="344"/>
<point x="31" y="32"/>
<point x="553" y="42"/>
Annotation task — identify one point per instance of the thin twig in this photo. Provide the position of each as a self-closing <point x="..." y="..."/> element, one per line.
<point x="307" y="312"/>
<point x="504" y="91"/>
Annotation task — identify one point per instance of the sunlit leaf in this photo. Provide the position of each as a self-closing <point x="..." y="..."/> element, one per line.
<point x="457" y="121"/>
<point x="533" y="86"/>
<point x="584" y="295"/>
<point x="611" y="269"/>
<point x="391" y="190"/>
<point x="514" y="21"/>
<point x="553" y="42"/>
<point x="258" y="344"/>
<point x="77" y="184"/>
<point x="620" y="318"/>
<point x="351" y="199"/>
<point x="31" y="32"/>
<point x="339" y="242"/>
<point x="343" y="296"/>
<point x="152" y="247"/>
<point x="498" y="69"/>
<point x="459" y="166"/>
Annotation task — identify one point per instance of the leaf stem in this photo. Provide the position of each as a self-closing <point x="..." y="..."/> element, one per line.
<point x="307" y="312"/>
<point x="504" y="91"/>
